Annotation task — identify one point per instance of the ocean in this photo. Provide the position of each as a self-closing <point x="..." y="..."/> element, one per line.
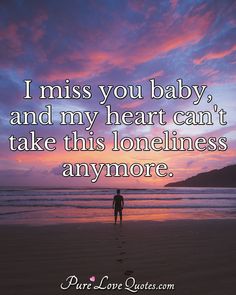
<point x="53" y="206"/>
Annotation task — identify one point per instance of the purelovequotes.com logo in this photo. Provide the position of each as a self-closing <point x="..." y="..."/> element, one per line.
<point x="130" y="284"/>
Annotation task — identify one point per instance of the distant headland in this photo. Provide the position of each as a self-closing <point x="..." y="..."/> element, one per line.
<point x="225" y="177"/>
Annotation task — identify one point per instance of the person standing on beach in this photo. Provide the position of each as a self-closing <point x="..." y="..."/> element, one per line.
<point x="118" y="205"/>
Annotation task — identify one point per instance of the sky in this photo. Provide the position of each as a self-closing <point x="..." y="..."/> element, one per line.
<point x="114" y="43"/>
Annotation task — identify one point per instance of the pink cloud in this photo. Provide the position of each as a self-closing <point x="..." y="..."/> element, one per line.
<point x="174" y="3"/>
<point x="209" y="72"/>
<point x="94" y="63"/>
<point x="156" y="42"/>
<point x="215" y="55"/>
<point x="18" y="34"/>
<point x="38" y="34"/>
<point x="165" y="37"/>
<point x="162" y="38"/>
<point x="154" y="75"/>
<point x="11" y="35"/>
<point x="131" y="105"/>
<point x="142" y="8"/>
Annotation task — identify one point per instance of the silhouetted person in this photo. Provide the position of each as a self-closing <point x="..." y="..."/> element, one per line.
<point x="118" y="205"/>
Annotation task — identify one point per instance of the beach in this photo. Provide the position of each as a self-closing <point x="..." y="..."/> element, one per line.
<point x="197" y="256"/>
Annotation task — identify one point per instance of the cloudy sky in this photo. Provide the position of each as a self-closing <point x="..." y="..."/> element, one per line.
<point x="114" y="42"/>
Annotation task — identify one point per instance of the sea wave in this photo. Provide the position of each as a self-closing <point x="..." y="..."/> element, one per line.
<point x="162" y="191"/>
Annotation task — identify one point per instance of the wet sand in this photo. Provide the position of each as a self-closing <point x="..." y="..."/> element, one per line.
<point x="198" y="257"/>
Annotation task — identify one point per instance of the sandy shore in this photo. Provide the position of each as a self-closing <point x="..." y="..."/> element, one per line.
<point x="197" y="256"/>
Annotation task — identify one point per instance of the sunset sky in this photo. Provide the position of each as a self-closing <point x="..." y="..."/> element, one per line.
<point x="114" y="42"/>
